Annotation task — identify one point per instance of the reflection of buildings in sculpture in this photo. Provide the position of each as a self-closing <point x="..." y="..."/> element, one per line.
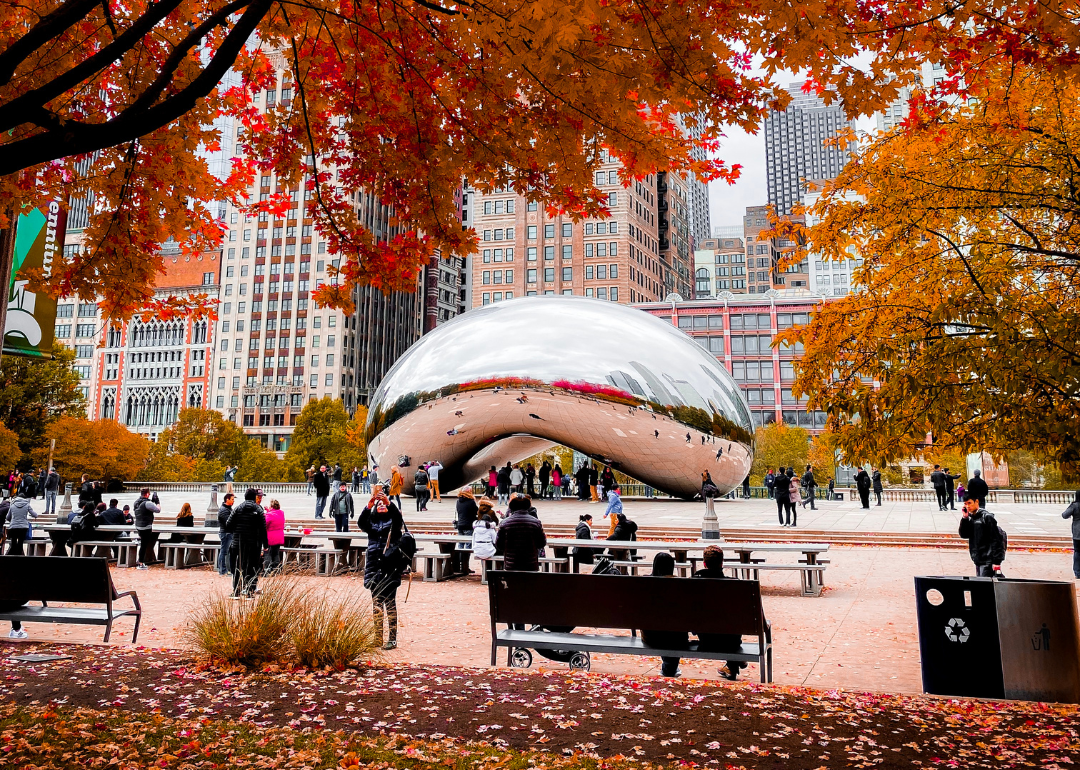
<point x="148" y="370"/>
<point x="738" y="331"/>
<point x="456" y="398"/>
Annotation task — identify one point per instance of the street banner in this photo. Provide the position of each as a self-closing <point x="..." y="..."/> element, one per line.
<point x="31" y="316"/>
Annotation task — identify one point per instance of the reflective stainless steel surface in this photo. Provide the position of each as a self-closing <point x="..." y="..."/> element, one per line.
<point x="505" y="381"/>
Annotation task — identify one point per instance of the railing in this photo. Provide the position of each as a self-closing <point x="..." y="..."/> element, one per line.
<point x="997" y="496"/>
<point x="270" y="488"/>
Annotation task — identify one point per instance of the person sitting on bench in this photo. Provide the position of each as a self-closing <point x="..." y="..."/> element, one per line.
<point x="714" y="568"/>
<point x="664" y="566"/>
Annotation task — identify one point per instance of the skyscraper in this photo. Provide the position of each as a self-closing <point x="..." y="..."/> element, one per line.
<point x="798" y="147"/>
<point x="623" y="258"/>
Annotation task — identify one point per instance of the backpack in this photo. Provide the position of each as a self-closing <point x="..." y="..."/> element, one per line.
<point x="399" y="556"/>
<point x="1004" y="540"/>
<point x="605" y="567"/>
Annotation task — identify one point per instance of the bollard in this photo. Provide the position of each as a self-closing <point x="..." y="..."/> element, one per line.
<point x="211" y="519"/>
<point x="710" y="525"/>
<point x="65" y="507"/>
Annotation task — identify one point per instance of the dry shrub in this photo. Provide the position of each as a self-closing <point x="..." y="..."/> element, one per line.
<point x="286" y="624"/>
<point x="334" y="631"/>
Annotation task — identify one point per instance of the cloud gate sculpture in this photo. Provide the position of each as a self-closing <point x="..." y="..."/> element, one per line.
<point x="503" y="382"/>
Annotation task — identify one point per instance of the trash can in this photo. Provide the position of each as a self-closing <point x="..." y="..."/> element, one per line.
<point x="999" y="638"/>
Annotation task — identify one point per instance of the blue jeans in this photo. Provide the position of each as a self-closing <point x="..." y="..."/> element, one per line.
<point x="224" y="567"/>
<point x="320" y="503"/>
<point x="341" y="522"/>
<point x="50" y="501"/>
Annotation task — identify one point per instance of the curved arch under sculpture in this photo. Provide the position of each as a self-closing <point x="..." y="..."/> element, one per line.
<point x="505" y="381"/>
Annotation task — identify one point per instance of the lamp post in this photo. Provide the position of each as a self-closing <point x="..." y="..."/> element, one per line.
<point x="710" y="525"/>
<point x="211" y="518"/>
<point x="65" y="507"/>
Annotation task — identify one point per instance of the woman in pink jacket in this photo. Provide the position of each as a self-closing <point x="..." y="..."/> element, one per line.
<point x="275" y="536"/>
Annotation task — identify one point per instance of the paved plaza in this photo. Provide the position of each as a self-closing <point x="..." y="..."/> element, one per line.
<point x="846" y="516"/>
<point x="860" y="634"/>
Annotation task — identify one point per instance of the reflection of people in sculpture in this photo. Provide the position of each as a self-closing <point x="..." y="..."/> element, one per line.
<point x="656" y="434"/>
<point x="719" y="453"/>
<point x="687" y="438"/>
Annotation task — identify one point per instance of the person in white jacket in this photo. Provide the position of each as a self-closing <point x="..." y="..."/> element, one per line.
<point x="483" y="538"/>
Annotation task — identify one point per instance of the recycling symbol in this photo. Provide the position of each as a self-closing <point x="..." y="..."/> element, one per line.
<point x="957" y="631"/>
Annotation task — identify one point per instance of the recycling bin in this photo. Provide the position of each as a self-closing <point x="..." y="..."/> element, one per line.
<point x="999" y="638"/>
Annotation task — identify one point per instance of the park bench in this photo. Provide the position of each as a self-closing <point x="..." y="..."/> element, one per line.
<point x="95" y="548"/>
<point x="179" y="555"/>
<point x="435" y="567"/>
<point x="58" y="579"/>
<point x="547" y="564"/>
<point x="539" y="599"/>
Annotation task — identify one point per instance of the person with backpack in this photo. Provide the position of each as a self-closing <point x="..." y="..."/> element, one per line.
<point x="421" y="488"/>
<point x="385" y="561"/>
<point x="84" y="524"/>
<point x="987" y="541"/>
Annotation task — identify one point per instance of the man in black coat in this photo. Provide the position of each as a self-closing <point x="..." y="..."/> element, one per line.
<point x="810" y="485"/>
<point x="977" y="488"/>
<point x="520" y="537"/>
<point x="950" y="488"/>
<point x="713" y="558"/>
<point x="862" y="483"/>
<point x="937" y="478"/>
<point x="544" y="473"/>
<point x="321" y="482"/>
<point x="248" y="527"/>
<point x="986" y="543"/>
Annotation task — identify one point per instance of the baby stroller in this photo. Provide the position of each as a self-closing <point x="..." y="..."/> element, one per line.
<point x="521" y="657"/>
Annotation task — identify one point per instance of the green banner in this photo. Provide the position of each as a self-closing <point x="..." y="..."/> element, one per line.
<point x="31" y="317"/>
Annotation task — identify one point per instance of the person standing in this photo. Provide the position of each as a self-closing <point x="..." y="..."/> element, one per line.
<point x="876" y="480"/>
<point x="770" y="483"/>
<point x="746" y="487"/>
<point x="976" y="487"/>
<point x="433" y="480"/>
<point x="792" y="507"/>
<point x="520" y="537"/>
<point x="420" y="488"/>
<point x="310" y="473"/>
<point x="1073" y="512"/>
<point x="18" y="517"/>
<point x="248" y="527"/>
<point x="780" y="493"/>
<point x="810" y="485"/>
<point x="41" y="481"/>
<point x="557" y="482"/>
<point x="594" y="481"/>
<point x="397" y="483"/>
<point x="545" y="474"/>
<point x="321" y="482"/>
<point x="950" y="488"/>
<point x="986" y="540"/>
<point x="381" y="520"/>
<point x="275" y="537"/>
<point x="582" y="478"/>
<point x="52" y="487"/>
<point x="503" y="482"/>
<point x="230" y="477"/>
<point x="937" y="479"/>
<point x="224" y="560"/>
<point x="530" y="480"/>
<point x="607" y="481"/>
<point x="355" y="480"/>
<point x="337" y="473"/>
<point x="492" y="482"/>
<point x="365" y="480"/>
<point x="145" y="508"/>
<point x="516" y="478"/>
<point x="465" y="515"/>
<point x="341" y="507"/>
<point x="862" y="484"/>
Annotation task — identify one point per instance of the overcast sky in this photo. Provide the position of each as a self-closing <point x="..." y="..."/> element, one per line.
<point x="728" y="202"/>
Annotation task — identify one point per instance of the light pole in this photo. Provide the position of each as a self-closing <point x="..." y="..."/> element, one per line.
<point x="710" y="525"/>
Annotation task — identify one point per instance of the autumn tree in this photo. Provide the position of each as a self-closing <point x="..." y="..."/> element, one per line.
<point x="102" y="449"/>
<point x="325" y="433"/>
<point x="35" y="392"/>
<point x="403" y="99"/>
<point x="963" y="322"/>
<point x="10" y="451"/>
<point x="203" y="434"/>
<point x="778" y="445"/>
